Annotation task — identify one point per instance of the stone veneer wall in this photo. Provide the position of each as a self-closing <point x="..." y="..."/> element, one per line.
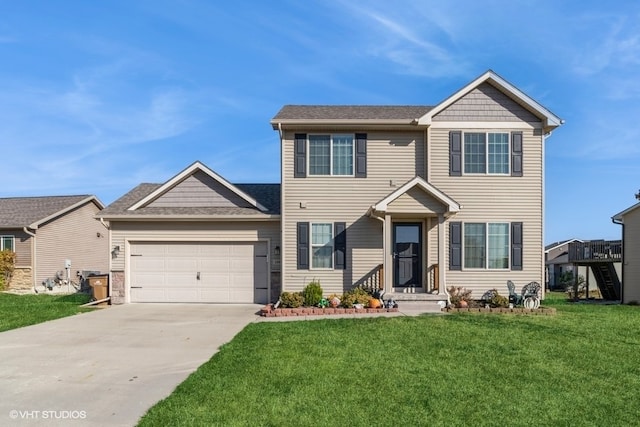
<point x="117" y="287"/>
<point x="21" y="279"/>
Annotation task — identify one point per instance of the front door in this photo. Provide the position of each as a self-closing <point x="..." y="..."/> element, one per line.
<point x="407" y="250"/>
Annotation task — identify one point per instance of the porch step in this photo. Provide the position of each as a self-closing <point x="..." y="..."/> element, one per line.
<point x="397" y="296"/>
<point x="414" y="308"/>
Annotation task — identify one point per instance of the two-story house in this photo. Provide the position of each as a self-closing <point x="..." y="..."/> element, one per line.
<point x="416" y="198"/>
<point x="409" y="198"/>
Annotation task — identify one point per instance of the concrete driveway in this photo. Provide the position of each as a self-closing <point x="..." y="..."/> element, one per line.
<point x="108" y="367"/>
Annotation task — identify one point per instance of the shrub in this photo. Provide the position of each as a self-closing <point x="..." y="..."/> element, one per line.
<point x="355" y="296"/>
<point x="458" y="294"/>
<point x="7" y="265"/>
<point x="312" y="294"/>
<point x="494" y="299"/>
<point x="291" y="299"/>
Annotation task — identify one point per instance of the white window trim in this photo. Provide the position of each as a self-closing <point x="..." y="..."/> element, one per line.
<point x="486" y="153"/>
<point x="486" y="243"/>
<point x="13" y="241"/>
<point x="331" y="135"/>
<point x="311" y="246"/>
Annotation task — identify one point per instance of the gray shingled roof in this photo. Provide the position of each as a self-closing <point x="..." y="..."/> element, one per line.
<point x="19" y="212"/>
<point x="267" y="195"/>
<point x="351" y="112"/>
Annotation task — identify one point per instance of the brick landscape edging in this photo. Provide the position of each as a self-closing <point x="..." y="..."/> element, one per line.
<point x="542" y="311"/>
<point x="269" y="311"/>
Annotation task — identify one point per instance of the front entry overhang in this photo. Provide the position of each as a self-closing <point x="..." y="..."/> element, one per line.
<point x="419" y="197"/>
<point x="416" y="199"/>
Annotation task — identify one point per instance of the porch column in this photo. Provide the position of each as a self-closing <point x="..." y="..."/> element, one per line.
<point x="388" y="253"/>
<point x="442" y="259"/>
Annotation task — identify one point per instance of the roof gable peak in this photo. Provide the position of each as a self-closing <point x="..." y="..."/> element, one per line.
<point x="194" y="168"/>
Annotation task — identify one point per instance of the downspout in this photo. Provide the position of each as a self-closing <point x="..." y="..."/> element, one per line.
<point x="621" y="281"/>
<point x="33" y="256"/>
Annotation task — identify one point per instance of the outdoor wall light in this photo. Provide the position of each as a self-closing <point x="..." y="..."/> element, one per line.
<point x="276" y="251"/>
<point x="116" y="251"/>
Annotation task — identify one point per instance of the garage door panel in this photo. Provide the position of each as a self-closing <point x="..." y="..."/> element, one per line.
<point x="182" y="264"/>
<point x="148" y="279"/>
<point x="229" y="272"/>
<point x="148" y="295"/>
<point x="181" y="294"/>
<point x="211" y="264"/>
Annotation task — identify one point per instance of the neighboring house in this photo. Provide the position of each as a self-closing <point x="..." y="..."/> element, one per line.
<point x="556" y="259"/>
<point x="630" y="221"/>
<point x="44" y="232"/>
<point x="195" y="238"/>
<point x="415" y="197"/>
<point x="409" y="198"/>
<point x="597" y="261"/>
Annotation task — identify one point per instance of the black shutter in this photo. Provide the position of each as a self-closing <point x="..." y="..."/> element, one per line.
<point x="303" y="245"/>
<point x="361" y="155"/>
<point x="300" y="156"/>
<point x="516" y="153"/>
<point x="455" y="246"/>
<point x="455" y="153"/>
<point x="516" y="246"/>
<point x="340" y="245"/>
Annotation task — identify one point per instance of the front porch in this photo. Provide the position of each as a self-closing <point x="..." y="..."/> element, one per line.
<point x="414" y="220"/>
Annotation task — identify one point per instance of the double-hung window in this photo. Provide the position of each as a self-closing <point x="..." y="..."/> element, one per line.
<point x="7" y="243"/>
<point x="331" y="155"/>
<point x="321" y="245"/>
<point x="486" y="245"/>
<point x="486" y="153"/>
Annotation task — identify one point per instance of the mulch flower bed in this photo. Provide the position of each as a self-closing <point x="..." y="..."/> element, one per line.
<point x="542" y="311"/>
<point x="269" y="311"/>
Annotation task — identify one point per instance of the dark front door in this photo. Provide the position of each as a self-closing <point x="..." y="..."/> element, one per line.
<point x="407" y="250"/>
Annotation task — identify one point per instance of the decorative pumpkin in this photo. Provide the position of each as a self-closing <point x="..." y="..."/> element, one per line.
<point x="463" y="304"/>
<point x="374" y="303"/>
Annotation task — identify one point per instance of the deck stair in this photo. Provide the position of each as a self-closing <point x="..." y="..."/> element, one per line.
<point x="607" y="278"/>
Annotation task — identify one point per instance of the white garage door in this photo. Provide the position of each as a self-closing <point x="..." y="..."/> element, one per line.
<point x="231" y="272"/>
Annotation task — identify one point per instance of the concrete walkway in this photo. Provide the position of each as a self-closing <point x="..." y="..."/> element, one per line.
<point x="108" y="367"/>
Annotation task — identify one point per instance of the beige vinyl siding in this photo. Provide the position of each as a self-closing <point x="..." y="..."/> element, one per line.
<point x="199" y="191"/>
<point x="416" y="201"/>
<point x="72" y="236"/>
<point x="631" y="253"/>
<point x="393" y="158"/>
<point x="209" y="231"/>
<point x="22" y="246"/>
<point x="487" y="198"/>
<point x="485" y="103"/>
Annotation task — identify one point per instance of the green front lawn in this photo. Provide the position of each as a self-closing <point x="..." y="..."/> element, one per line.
<point x="579" y="367"/>
<point x="23" y="310"/>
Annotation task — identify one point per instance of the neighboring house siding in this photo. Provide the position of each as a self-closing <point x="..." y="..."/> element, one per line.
<point x="393" y="158"/>
<point x="194" y="232"/>
<point x="73" y="236"/>
<point x="631" y="279"/>
<point x="485" y="103"/>
<point x="200" y="191"/>
<point x="486" y="198"/>
<point x="23" y="246"/>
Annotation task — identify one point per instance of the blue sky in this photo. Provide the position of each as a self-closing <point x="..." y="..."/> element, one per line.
<point x="96" y="97"/>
